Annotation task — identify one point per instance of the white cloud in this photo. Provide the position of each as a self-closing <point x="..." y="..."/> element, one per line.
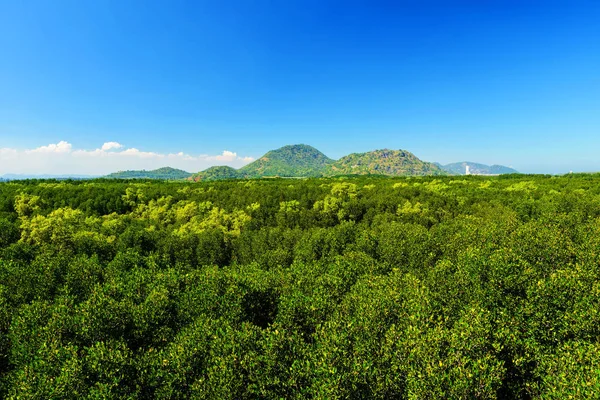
<point x="62" y="158"/>
<point x="60" y="147"/>
<point x="142" y="154"/>
<point x="225" y="156"/>
<point x="111" y="146"/>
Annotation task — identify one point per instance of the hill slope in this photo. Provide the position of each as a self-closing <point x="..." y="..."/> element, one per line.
<point x="288" y="161"/>
<point x="383" y="162"/>
<point x="459" y="168"/>
<point x="166" y="173"/>
<point x="216" y="173"/>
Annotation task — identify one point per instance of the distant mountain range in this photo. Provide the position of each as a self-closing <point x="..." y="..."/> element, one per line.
<point x="166" y="173"/>
<point x="300" y="160"/>
<point x="460" y="168"/>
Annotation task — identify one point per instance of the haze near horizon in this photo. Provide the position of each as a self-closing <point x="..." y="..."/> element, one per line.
<point x="96" y="87"/>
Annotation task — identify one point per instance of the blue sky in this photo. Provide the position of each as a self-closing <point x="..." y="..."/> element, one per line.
<point x="509" y="82"/>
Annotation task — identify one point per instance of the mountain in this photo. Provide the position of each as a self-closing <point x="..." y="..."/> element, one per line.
<point x="166" y="173"/>
<point x="288" y="161"/>
<point x="460" y="168"/>
<point x="216" y="173"/>
<point x="301" y="160"/>
<point x="383" y="162"/>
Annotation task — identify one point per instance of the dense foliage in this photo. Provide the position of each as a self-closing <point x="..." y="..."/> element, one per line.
<point x="381" y="288"/>
<point x="459" y="168"/>
<point x="165" y="173"/>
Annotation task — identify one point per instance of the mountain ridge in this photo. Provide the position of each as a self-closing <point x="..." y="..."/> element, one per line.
<point x="459" y="168"/>
<point x="166" y="173"/>
<point x="302" y="160"/>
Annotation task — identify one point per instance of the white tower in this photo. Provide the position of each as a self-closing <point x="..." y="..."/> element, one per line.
<point x="467" y="172"/>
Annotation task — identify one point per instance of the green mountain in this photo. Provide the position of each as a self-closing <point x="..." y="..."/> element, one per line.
<point x="460" y="168"/>
<point x="166" y="173"/>
<point x="216" y="173"/>
<point x="305" y="161"/>
<point x="289" y="161"/>
<point x="383" y="162"/>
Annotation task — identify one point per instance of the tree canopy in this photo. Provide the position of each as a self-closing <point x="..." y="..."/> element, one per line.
<point x="364" y="287"/>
